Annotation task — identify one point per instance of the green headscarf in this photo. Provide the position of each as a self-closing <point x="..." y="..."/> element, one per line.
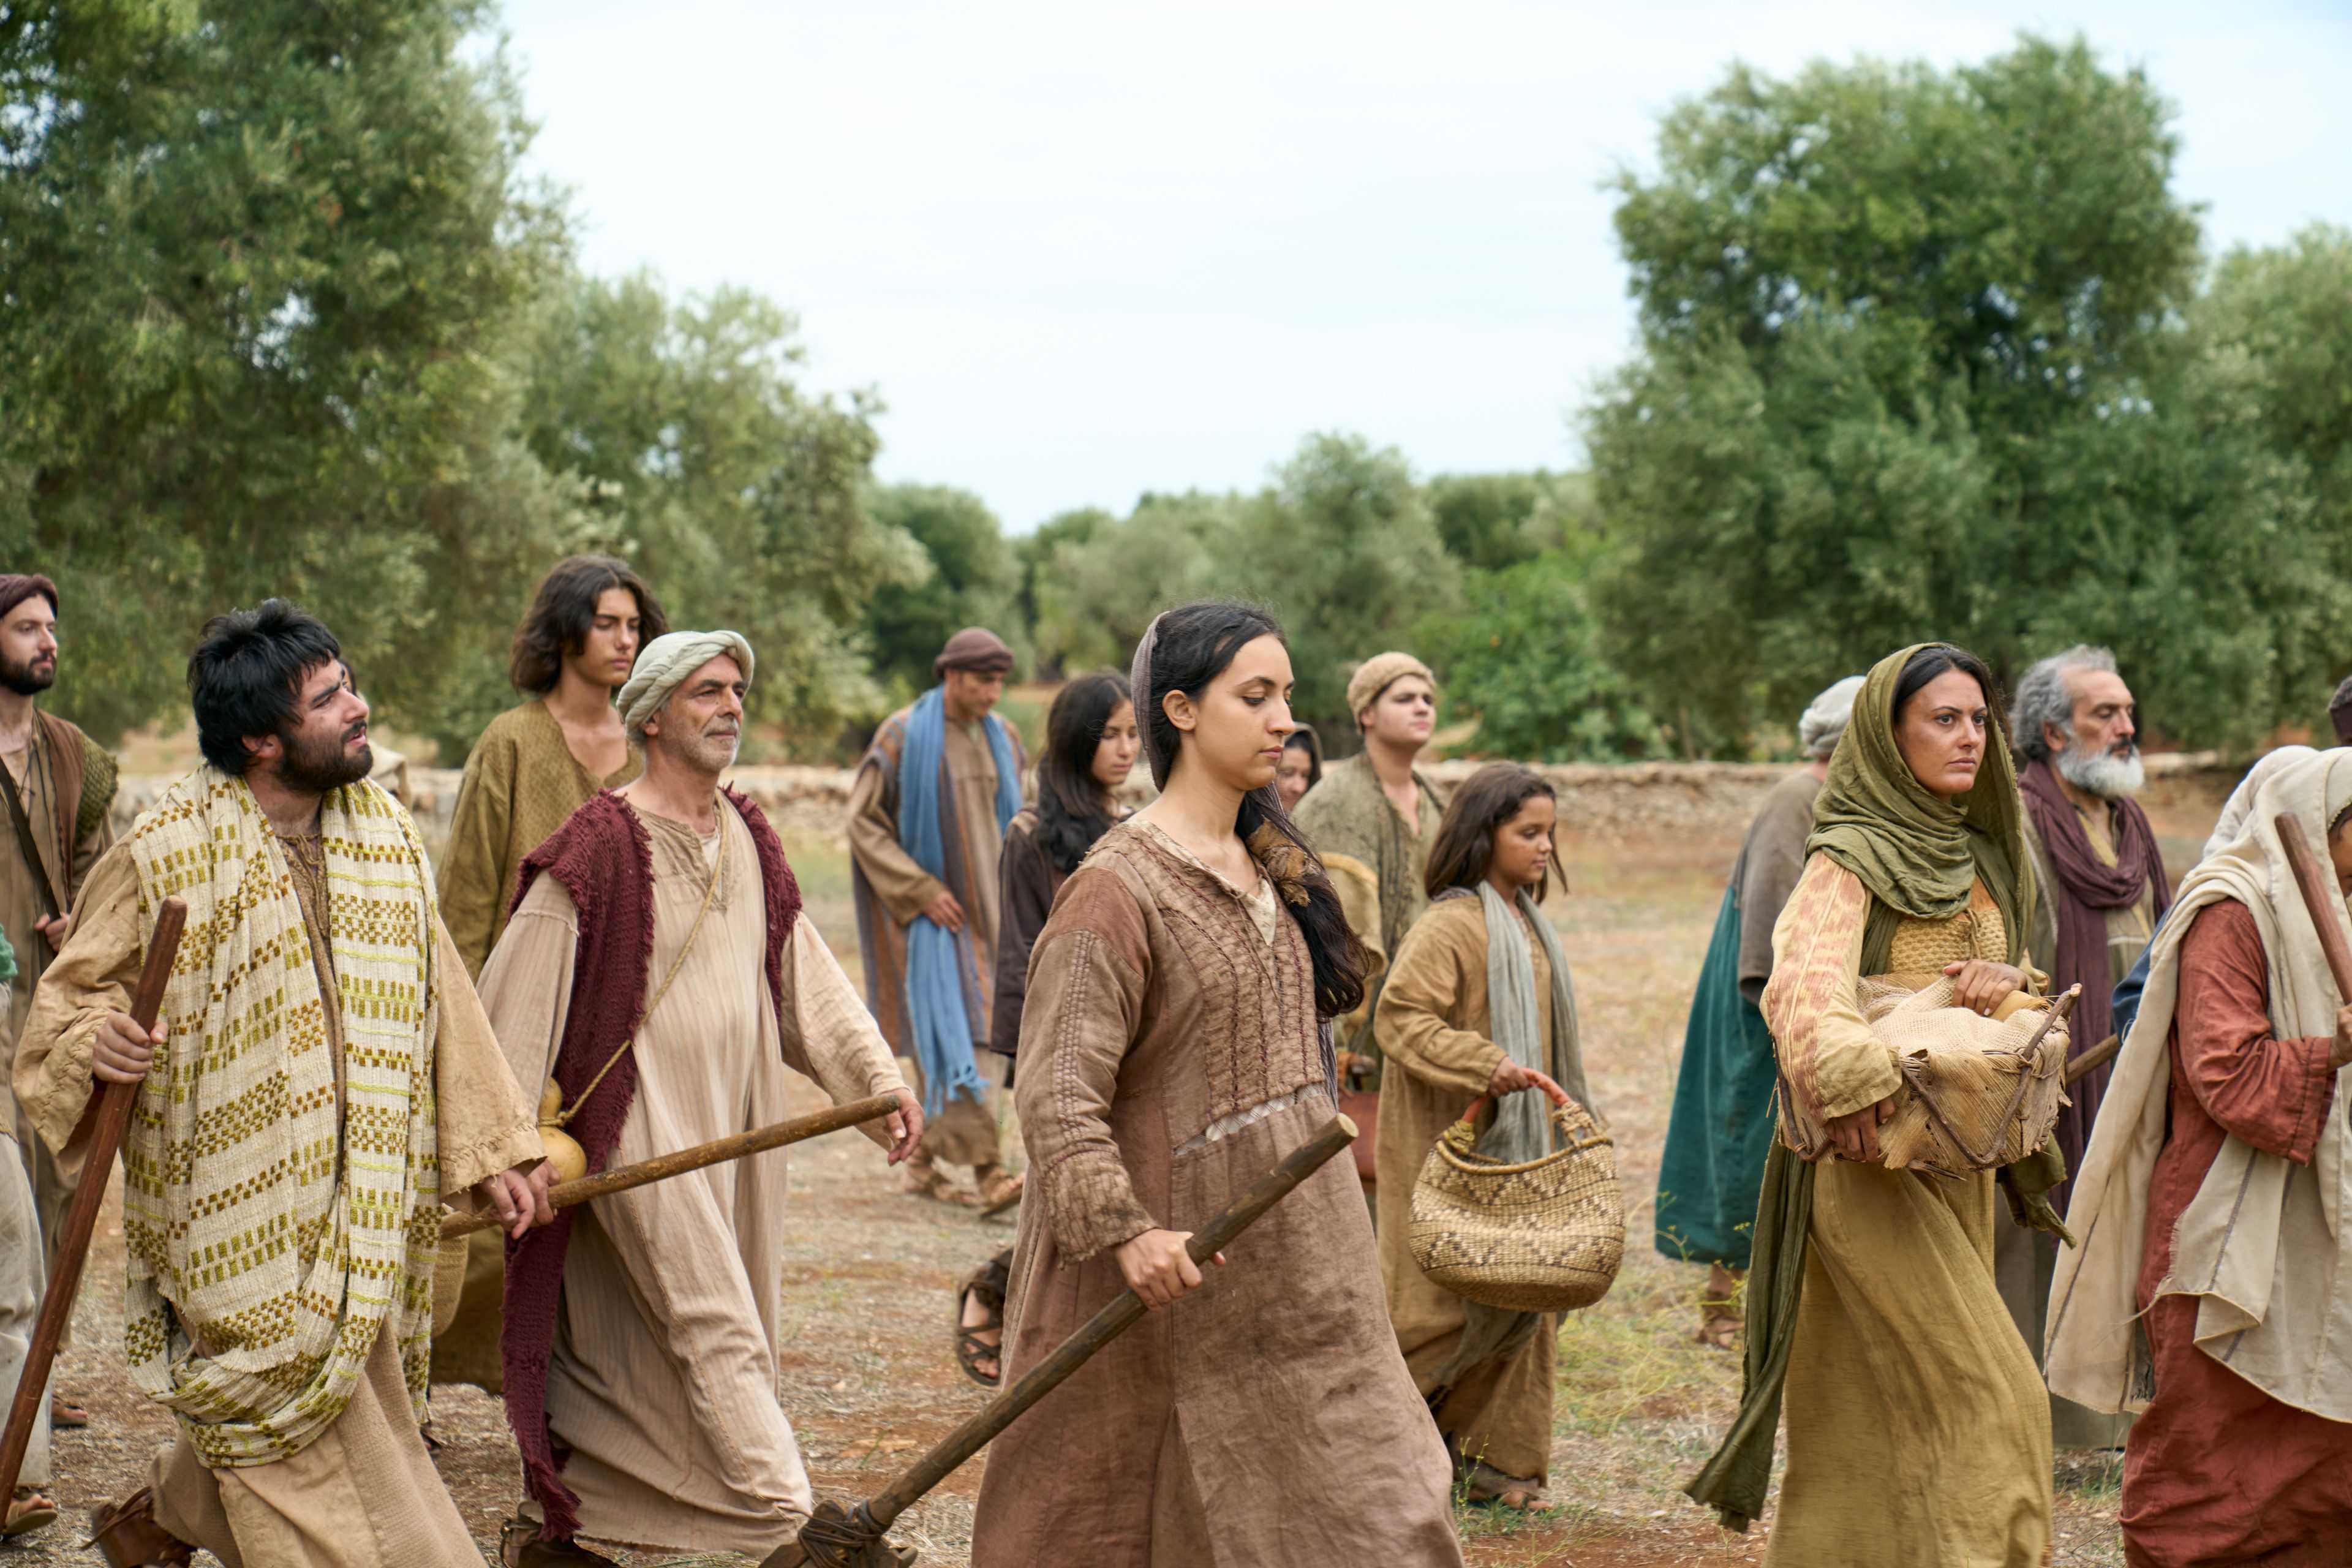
<point x="1918" y="853"/>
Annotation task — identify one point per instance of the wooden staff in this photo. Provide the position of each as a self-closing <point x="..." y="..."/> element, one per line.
<point x="718" y="1151"/>
<point x="838" y="1538"/>
<point x="2090" y="1061"/>
<point x="109" y="1116"/>
<point x="2321" y="897"/>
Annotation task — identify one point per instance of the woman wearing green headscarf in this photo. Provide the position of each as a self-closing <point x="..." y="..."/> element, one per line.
<point x="1919" y="1428"/>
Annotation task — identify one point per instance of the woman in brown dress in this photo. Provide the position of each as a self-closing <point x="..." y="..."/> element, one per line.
<point x="1175" y="1046"/>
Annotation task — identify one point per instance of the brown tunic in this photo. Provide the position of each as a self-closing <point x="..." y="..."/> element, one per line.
<point x="1438" y="1040"/>
<point x="521" y="782"/>
<point x="1174" y="1056"/>
<point x="44" y="776"/>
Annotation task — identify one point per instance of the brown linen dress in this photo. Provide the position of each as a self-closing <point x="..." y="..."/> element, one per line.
<point x="1173" y="1056"/>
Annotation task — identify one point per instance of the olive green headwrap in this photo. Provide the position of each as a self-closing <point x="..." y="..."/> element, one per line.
<point x="1918" y="853"/>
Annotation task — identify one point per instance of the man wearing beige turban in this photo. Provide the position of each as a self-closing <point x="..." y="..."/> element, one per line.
<point x="1372" y="819"/>
<point x="658" y="970"/>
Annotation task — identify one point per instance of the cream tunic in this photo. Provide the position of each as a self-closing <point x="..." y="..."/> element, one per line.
<point x="662" y="1379"/>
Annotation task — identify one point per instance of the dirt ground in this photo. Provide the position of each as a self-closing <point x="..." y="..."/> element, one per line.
<point x="869" y="1378"/>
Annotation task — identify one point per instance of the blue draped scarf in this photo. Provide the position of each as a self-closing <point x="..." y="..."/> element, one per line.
<point x="937" y="957"/>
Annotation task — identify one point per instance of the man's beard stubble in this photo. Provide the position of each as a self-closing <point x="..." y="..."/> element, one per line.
<point x="316" y="769"/>
<point x="25" y="679"/>
<point x="2104" y="774"/>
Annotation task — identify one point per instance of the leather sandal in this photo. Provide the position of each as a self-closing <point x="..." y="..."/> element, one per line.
<point x="520" y="1545"/>
<point x="28" y="1510"/>
<point x="127" y="1535"/>
<point x="999" y="1189"/>
<point x="987" y="1284"/>
<point x="65" y="1414"/>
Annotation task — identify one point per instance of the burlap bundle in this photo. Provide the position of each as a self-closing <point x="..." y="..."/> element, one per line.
<point x="1977" y="1092"/>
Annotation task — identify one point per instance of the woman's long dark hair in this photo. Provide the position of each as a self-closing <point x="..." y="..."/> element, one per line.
<point x="1192" y="645"/>
<point x="1464" y="847"/>
<point x="1072" y="810"/>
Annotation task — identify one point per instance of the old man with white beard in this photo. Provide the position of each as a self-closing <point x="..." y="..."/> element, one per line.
<point x="658" y="968"/>
<point x="2101" y="888"/>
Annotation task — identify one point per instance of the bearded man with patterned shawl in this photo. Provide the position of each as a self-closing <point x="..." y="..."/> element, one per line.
<point x="2212" y="1291"/>
<point x="1918" y="1431"/>
<point x="287" y="1154"/>
<point x="659" y="970"/>
<point x="927" y="818"/>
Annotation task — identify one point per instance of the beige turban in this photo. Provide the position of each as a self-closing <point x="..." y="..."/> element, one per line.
<point x="667" y="661"/>
<point x="1379" y="672"/>
<point x="975" y="648"/>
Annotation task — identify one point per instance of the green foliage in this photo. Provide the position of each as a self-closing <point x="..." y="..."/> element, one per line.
<point x="1524" y="660"/>
<point x="1914" y="366"/>
<point x="257" y="266"/>
<point x="972" y="582"/>
<point x="1342" y="547"/>
<point x="742" y="498"/>
<point x="1033" y="557"/>
<point x="1492" y="521"/>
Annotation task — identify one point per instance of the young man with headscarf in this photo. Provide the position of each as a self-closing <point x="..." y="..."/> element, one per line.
<point x="1372" y="819"/>
<point x="59" y="785"/>
<point x="322" y="1082"/>
<point x="1721" y="1127"/>
<point x="658" y="969"/>
<point x="2211" y="1292"/>
<point x="927" y="819"/>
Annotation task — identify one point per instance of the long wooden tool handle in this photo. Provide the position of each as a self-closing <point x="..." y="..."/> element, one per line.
<point x="1073" y="1352"/>
<point x="106" y="1128"/>
<point x="2320" y="897"/>
<point x="2092" y="1060"/>
<point x="718" y="1151"/>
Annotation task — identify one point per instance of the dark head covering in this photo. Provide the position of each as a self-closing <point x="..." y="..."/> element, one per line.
<point x="1918" y="853"/>
<point x="2339" y="712"/>
<point x="15" y="587"/>
<point x="974" y="648"/>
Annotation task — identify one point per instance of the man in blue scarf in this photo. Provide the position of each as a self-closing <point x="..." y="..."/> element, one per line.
<point x="927" y="820"/>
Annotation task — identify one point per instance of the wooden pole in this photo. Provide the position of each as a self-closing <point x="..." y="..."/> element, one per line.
<point x="718" y="1151"/>
<point x="2090" y="1061"/>
<point x="860" y="1531"/>
<point x="2320" y="897"/>
<point x="112" y="1115"/>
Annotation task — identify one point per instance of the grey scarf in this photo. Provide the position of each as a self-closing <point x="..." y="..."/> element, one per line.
<point x="1522" y="1129"/>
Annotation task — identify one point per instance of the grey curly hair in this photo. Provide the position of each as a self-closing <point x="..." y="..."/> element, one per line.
<point x="2044" y="697"/>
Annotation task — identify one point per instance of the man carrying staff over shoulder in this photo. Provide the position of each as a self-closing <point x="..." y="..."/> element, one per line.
<point x="320" y="1081"/>
<point x="927" y="819"/>
<point x="1373" y="818"/>
<point x="658" y="968"/>
<point x="59" y="787"/>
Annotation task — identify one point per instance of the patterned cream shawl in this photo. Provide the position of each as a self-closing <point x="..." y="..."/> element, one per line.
<point x="265" y="1252"/>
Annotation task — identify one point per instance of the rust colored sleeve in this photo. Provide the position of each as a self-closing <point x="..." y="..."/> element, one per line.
<point x="2273" y="1093"/>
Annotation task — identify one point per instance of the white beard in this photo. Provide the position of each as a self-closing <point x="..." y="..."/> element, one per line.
<point x="2103" y="774"/>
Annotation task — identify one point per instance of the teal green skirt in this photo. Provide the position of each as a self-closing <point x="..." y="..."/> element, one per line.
<point x="1721" y="1127"/>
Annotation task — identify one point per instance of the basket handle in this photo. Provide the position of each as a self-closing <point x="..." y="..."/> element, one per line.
<point x="1559" y="1097"/>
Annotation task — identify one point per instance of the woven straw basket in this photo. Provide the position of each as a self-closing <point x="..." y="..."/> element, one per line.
<point x="1544" y="1236"/>
<point x="1977" y="1092"/>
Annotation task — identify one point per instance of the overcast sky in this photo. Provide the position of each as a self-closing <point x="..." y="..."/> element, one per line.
<point x="1086" y="250"/>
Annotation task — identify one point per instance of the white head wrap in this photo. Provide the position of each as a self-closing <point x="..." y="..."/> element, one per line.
<point x="666" y="662"/>
<point x="1825" y="721"/>
<point x="2240" y="803"/>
